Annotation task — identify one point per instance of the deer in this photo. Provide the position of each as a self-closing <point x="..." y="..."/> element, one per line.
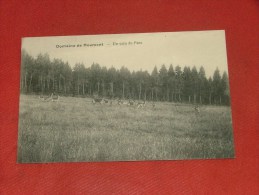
<point x="131" y="103"/>
<point x="120" y="101"/>
<point x="98" y="100"/>
<point x="141" y="104"/>
<point x="106" y="101"/>
<point x="124" y="103"/>
<point x="110" y="102"/>
<point x="54" y="97"/>
<point x="45" y="98"/>
<point x="197" y="109"/>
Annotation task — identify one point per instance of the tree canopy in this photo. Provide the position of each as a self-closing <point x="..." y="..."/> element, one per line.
<point x="40" y="75"/>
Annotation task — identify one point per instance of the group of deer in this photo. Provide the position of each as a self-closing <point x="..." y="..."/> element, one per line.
<point x="119" y="102"/>
<point x="197" y="109"/>
<point x="52" y="97"/>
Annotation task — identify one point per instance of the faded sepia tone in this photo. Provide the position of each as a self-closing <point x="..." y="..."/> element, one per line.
<point x="125" y="97"/>
<point x="200" y="48"/>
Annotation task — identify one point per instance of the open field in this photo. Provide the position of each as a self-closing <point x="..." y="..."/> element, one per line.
<point x="74" y="129"/>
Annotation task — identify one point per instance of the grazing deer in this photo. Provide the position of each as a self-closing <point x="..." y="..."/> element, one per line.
<point x="141" y="104"/>
<point x="197" y="109"/>
<point x="54" y="97"/>
<point x="131" y="102"/>
<point x="119" y="102"/>
<point x="98" y="100"/>
<point x="45" y="98"/>
<point x="125" y="103"/>
<point x="106" y="101"/>
<point x="41" y="97"/>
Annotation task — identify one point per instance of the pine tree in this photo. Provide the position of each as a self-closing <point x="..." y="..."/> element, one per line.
<point x="163" y="77"/>
<point x="202" y="84"/>
<point x="171" y="81"/>
<point x="187" y="80"/>
<point x="154" y="83"/>
<point x="216" y="86"/>
<point x="179" y="82"/>
<point x="195" y="84"/>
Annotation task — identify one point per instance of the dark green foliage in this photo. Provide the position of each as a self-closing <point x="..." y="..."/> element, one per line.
<point x="43" y="76"/>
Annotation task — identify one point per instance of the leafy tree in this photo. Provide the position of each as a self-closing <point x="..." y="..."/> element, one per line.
<point x="146" y="83"/>
<point x="216" y="86"/>
<point x="124" y="78"/>
<point x="163" y="82"/>
<point x="179" y="81"/>
<point x="27" y="71"/>
<point x="111" y="78"/>
<point x="42" y="75"/>
<point x="202" y="84"/>
<point x="171" y="81"/>
<point x="154" y="83"/>
<point x="140" y="80"/>
<point x="210" y="89"/>
<point x="187" y="82"/>
<point x="195" y="84"/>
<point x="80" y="77"/>
<point x="96" y="77"/>
<point x="104" y="79"/>
<point x="225" y="94"/>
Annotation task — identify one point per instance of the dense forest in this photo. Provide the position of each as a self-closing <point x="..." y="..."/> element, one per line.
<point x="41" y="75"/>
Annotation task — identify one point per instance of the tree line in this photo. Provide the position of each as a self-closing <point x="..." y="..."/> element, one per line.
<point x="41" y="75"/>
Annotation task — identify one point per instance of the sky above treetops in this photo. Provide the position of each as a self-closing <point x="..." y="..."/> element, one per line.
<point x="137" y="51"/>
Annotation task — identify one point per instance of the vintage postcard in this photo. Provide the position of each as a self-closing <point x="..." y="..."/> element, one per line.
<point x="125" y="97"/>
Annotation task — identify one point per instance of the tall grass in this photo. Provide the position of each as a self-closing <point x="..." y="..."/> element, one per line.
<point x="74" y="129"/>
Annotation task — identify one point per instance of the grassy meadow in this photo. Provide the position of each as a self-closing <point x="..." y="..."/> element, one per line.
<point x="74" y="129"/>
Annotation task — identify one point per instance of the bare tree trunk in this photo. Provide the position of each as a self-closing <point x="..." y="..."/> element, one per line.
<point x="210" y="98"/>
<point x="65" y="86"/>
<point x="194" y="98"/>
<point x="98" y="86"/>
<point x="53" y="84"/>
<point x="200" y="100"/>
<point x="167" y="93"/>
<point x="89" y="89"/>
<point x="189" y="99"/>
<point x="112" y="88"/>
<point x="41" y="83"/>
<point x="220" y="100"/>
<point x="179" y="95"/>
<point x="44" y="84"/>
<point x="77" y="84"/>
<point x="59" y="84"/>
<point x="83" y="88"/>
<point x="30" y="83"/>
<point x="103" y="88"/>
<point x="123" y="90"/>
<point x="26" y="88"/>
<point x="152" y="94"/>
<point x="48" y="82"/>
<point x="139" y="91"/>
